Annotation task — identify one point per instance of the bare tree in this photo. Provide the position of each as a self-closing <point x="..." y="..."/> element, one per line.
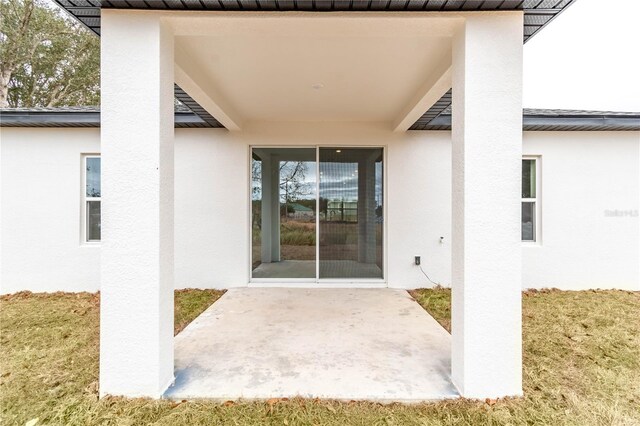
<point x="292" y="182"/>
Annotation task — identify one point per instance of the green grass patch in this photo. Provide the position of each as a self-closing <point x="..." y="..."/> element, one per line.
<point x="581" y="367"/>
<point x="191" y="303"/>
<point x="437" y="301"/>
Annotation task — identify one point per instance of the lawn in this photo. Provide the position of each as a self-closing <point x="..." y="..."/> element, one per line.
<point x="581" y="367"/>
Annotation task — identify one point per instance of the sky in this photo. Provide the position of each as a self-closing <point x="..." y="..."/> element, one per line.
<point x="587" y="58"/>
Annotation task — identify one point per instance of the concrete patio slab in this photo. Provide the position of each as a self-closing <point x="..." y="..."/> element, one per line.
<point x="348" y="344"/>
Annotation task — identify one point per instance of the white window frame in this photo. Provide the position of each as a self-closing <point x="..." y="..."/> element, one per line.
<point x="85" y="201"/>
<point x="537" y="222"/>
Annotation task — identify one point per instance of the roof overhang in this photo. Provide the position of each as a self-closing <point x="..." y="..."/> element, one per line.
<point x="537" y="14"/>
<point x="80" y="117"/>
<point x="533" y="119"/>
<point x="560" y="120"/>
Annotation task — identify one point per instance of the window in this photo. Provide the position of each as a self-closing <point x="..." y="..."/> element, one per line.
<point x="530" y="204"/>
<point x="91" y="204"/>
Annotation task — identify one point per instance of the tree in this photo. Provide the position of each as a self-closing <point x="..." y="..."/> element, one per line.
<point x="46" y="58"/>
<point x="292" y="182"/>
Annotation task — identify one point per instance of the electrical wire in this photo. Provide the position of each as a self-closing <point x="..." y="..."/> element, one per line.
<point x="425" y="274"/>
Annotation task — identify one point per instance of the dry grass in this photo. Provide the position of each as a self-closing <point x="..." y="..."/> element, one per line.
<point x="582" y="367"/>
<point x="297" y="233"/>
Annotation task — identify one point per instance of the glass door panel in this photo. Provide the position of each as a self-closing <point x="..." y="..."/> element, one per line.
<point x="351" y="213"/>
<point x="283" y="218"/>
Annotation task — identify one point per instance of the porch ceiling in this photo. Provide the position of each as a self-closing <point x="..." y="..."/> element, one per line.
<point x="537" y="14"/>
<point x="314" y="77"/>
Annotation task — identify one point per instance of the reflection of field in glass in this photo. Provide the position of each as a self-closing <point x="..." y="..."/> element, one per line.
<point x="295" y="232"/>
<point x="338" y="241"/>
<point x="297" y="240"/>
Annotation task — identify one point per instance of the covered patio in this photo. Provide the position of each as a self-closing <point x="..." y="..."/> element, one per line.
<point x="341" y="80"/>
<point x="346" y="344"/>
<point x="333" y="81"/>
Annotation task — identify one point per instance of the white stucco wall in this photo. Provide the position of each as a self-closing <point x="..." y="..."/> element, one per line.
<point x="40" y="186"/>
<point x="583" y="175"/>
<point x="216" y="252"/>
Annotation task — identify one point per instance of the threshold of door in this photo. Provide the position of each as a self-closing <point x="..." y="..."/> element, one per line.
<point x="318" y="284"/>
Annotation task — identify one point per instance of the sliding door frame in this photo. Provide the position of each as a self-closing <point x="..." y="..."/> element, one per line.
<point x="318" y="282"/>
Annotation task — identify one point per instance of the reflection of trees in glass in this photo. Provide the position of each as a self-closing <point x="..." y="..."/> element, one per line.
<point x="93" y="190"/>
<point x="256" y="176"/>
<point x="528" y="178"/>
<point x="293" y="185"/>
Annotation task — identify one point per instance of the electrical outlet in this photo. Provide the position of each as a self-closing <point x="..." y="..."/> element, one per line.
<point x="417" y="260"/>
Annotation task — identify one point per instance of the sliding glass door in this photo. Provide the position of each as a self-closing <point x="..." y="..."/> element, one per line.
<point x="283" y="218"/>
<point x="317" y="213"/>
<point x="350" y="228"/>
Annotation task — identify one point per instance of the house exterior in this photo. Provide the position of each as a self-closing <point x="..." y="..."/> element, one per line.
<point x="298" y="211"/>
<point x="404" y="128"/>
<point x="577" y="157"/>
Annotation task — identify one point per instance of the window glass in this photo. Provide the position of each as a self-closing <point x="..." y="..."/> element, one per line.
<point x="283" y="219"/>
<point x="335" y="194"/>
<point x="93" y="220"/>
<point x="93" y="177"/>
<point x="528" y="178"/>
<point x="351" y="213"/>
<point x="92" y="198"/>
<point x="528" y="220"/>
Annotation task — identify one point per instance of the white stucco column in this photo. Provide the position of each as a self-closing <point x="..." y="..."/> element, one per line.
<point x="486" y="170"/>
<point x="136" y="312"/>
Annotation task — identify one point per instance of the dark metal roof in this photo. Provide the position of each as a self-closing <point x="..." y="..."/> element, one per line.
<point x="81" y="117"/>
<point x="537" y="14"/>
<point x="558" y="120"/>
<point x="533" y="119"/>
<point x="195" y="107"/>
